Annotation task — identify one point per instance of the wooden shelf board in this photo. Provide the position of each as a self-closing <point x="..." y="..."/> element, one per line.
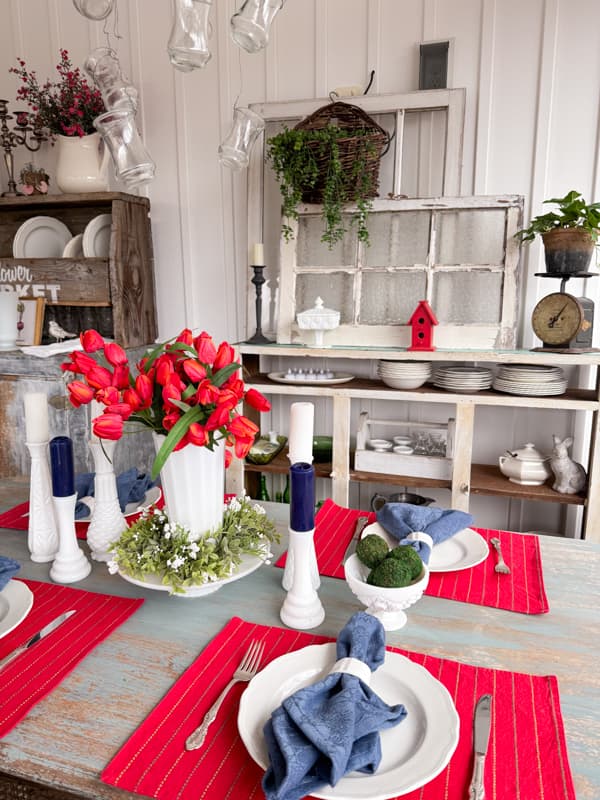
<point x="281" y="464"/>
<point x="487" y="479"/>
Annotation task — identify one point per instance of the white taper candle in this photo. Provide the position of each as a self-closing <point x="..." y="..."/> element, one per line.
<point x="36" y="417"/>
<point x="258" y="255"/>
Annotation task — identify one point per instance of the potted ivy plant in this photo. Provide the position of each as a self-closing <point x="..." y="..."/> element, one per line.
<point x="331" y="158"/>
<point x="569" y="233"/>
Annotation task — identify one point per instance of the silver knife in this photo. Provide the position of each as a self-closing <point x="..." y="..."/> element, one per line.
<point x="481" y="735"/>
<point x="34" y="639"/>
<point x="358" y="529"/>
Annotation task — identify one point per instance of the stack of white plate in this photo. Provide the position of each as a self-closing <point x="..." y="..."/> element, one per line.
<point x="404" y="374"/>
<point x="530" y="379"/>
<point x="463" y="379"/>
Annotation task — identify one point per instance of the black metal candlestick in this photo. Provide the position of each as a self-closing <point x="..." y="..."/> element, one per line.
<point x="258" y="279"/>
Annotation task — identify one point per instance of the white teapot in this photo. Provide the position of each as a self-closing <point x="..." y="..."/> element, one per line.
<point x="526" y="466"/>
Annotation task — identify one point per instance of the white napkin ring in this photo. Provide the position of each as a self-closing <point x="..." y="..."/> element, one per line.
<point x="353" y="666"/>
<point x="420" y="536"/>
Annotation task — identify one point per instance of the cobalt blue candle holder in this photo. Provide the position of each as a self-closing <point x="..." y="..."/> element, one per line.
<point x="302" y="497"/>
<point x="62" y="466"/>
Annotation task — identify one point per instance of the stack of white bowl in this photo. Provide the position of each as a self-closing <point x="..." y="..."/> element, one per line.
<point x="404" y="374"/>
<point x="463" y="379"/>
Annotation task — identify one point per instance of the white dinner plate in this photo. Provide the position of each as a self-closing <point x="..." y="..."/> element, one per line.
<point x="338" y="377"/>
<point x="464" y="550"/>
<point x="152" y="496"/>
<point x="16" y="600"/>
<point x="74" y="247"/>
<point x="41" y="237"/>
<point x="96" y="237"/>
<point x="413" y="752"/>
<point x="248" y="564"/>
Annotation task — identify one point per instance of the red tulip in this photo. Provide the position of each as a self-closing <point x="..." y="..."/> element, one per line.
<point x="217" y="418"/>
<point x="257" y="400"/>
<point x="207" y="393"/>
<point x="194" y="370"/>
<point x="170" y="393"/>
<point x="145" y="389"/>
<point x="225" y="355"/>
<point x="205" y="348"/>
<point x="121" y="376"/>
<point x="242" y="446"/>
<point x="108" y="426"/>
<point x="80" y="362"/>
<point x="108" y="396"/>
<point x="228" y="399"/>
<point x="91" y="341"/>
<point x="115" y="355"/>
<point x="242" y="427"/>
<point x="99" y="377"/>
<point x="170" y="419"/>
<point x="132" y="398"/>
<point x="79" y="393"/>
<point x="228" y="458"/>
<point x="164" y="369"/>
<point x="197" y="434"/>
<point x="185" y="336"/>
<point x="124" y="410"/>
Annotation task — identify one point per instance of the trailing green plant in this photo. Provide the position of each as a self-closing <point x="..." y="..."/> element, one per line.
<point x="154" y="545"/>
<point x="573" y="212"/>
<point x="295" y="155"/>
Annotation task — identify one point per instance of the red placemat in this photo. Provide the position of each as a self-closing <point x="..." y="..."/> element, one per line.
<point x="527" y="755"/>
<point x="17" y="518"/>
<point x="523" y="590"/>
<point x="34" y="673"/>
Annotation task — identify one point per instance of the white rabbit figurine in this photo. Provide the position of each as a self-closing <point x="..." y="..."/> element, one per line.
<point x="570" y="476"/>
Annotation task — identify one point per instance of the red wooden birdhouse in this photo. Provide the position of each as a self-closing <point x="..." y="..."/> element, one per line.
<point x="422" y="321"/>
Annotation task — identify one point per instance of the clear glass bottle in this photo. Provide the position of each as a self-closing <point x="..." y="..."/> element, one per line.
<point x="263" y="492"/>
<point x="234" y="151"/>
<point x="188" y="41"/>
<point x="251" y="24"/>
<point x="94" y="9"/>
<point x="133" y="164"/>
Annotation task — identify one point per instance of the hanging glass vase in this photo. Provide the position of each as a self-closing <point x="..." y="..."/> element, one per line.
<point x="188" y="42"/>
<point x="94" y="9"/>
<point x="234" y="151"/>
<point x="133" y="164"/>
<point x="103" y="67"/>
<point x="250" y="26"/>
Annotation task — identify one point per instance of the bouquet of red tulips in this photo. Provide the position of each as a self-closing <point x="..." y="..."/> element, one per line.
<point x="187" y="389"/>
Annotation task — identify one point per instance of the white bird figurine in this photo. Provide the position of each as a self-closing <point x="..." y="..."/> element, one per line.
<point x="59" y="333"/>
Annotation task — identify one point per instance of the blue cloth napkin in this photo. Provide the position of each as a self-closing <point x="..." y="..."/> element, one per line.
<point x="330" y="728"/>
<point x="400" y="519"/>
<point x="8" y="568"/>
<point x="131" y="488"/>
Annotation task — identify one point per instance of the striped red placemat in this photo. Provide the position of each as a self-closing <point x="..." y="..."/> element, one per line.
<point x="527" y="756"/>
<point x="37" y="671"/>
<point x="523" y="590"/>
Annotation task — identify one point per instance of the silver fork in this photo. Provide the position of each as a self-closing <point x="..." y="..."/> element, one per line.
<point x="247" y="669"/>
<point x="501" y="565"/>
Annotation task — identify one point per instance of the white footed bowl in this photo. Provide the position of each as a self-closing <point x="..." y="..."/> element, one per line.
<point x="386" y="604"/>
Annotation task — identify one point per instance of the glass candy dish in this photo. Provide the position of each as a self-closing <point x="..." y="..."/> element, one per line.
<point x="319" y="320"/>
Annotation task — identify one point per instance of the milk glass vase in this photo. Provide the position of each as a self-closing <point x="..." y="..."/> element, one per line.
<point x="234" y="151"/>
<point x="133" y="164"/>
<point x="188" y="41"/>
<point x="250" y="26"/>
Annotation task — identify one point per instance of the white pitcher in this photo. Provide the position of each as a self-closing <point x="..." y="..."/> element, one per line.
<point x="82" y="164"/>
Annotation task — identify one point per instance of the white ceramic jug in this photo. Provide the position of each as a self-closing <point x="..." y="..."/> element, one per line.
<point x="82" y="164"/>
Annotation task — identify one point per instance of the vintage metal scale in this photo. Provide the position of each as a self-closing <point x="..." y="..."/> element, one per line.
<point x="563" y="322"/>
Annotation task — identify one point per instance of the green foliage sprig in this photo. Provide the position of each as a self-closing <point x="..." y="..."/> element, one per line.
<point x="573" y="212"/>
<point x="153" y="545"/>
<point x="294" y="156"/>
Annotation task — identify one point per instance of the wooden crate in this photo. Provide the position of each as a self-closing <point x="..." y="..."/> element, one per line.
<point x="116" y="292"/>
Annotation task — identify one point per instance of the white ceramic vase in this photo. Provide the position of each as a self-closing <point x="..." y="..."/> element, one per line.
<point x="82" y="164"/>
<point x="193" y="484"/>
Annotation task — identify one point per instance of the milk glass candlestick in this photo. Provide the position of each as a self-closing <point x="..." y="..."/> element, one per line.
<point x="42" y="536"/>
<point x="107" y="522"/>
<point x="70" y="564"/>
<point x="302" y="608"/>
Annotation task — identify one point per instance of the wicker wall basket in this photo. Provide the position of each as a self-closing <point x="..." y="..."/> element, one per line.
<point x="372" y="139"/>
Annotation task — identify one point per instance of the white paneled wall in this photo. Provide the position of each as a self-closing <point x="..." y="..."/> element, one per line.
<point x="531" y="72"/>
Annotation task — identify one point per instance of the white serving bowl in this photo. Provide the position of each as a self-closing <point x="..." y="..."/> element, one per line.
<point x="404" y="450"/>
<point x="386" y="604"/>
<point x="380" y="445"/>
<point x="404" y="383"/>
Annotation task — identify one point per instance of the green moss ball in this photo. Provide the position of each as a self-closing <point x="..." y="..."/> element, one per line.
<point x="390" y="574"/>
<point x="409" y="556"/>
<point x="372" y="550"/>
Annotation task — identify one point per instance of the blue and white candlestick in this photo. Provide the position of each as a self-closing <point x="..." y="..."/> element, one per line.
<point x="70" y="564"/>
<point x="302" y="608"/>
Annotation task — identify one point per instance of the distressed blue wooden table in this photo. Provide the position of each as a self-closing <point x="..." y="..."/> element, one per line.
<point x="67" y="739"/>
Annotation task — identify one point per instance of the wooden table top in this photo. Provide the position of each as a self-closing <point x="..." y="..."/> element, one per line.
<point x="68" y="738"/>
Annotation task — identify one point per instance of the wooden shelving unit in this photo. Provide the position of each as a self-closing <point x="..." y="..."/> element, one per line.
<point x="467" y="477"/>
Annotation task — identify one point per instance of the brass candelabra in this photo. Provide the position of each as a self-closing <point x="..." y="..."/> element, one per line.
<point x="22" y="134"/>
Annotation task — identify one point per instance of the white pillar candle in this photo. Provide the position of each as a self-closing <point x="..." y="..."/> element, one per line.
<point x="258" y="255"/>
<point x="8" y="320"/>
<point x="36" y="418"/>
<point x="300" y="440"/>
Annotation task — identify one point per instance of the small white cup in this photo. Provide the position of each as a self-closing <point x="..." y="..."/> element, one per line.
<point x="8" y="320"/>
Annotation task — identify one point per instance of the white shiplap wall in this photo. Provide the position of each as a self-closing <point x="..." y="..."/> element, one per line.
<point x="532" y="75"/>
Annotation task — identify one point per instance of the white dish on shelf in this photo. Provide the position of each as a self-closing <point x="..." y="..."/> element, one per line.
<point x="151" y="497"/>
<point x="338" y="377"/>
<point x="96" y="237"/>
<point x="412" y="752"/>
<point x="74" y="247"/>
<point x="41" y="237"/>
<point x="464" y="550"/>
<point x="16" y="600"/>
